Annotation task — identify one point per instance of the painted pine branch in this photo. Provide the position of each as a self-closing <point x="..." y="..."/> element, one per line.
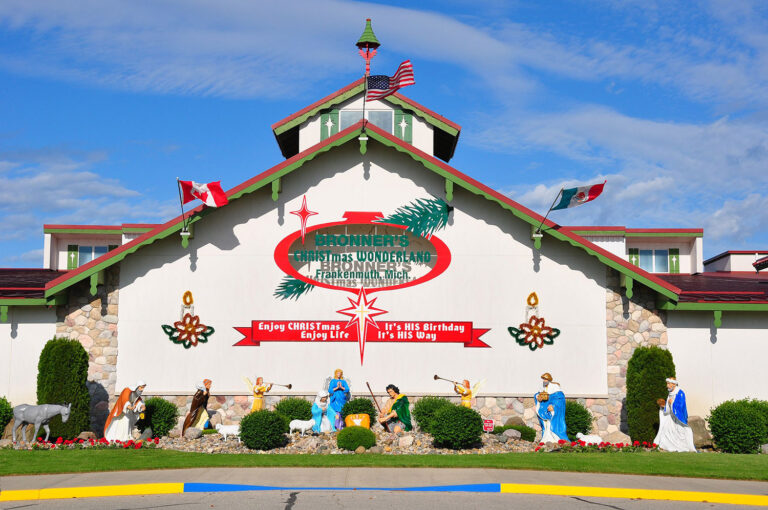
<point x="292" y="288"/>
<point x="423" y="217"/>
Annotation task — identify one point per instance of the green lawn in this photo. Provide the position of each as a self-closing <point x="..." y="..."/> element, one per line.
<point x="704" y="465"/>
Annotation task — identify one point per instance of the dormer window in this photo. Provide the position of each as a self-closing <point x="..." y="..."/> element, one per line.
<point x="396" y="122"/>
<point x="380" y="118"/>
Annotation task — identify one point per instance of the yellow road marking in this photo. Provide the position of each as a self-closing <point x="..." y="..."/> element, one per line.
<point x="93" y="492"/>
<point x="610" y="492"/>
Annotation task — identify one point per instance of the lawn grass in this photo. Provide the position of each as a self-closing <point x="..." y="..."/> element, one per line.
<point x="704" y="465"/>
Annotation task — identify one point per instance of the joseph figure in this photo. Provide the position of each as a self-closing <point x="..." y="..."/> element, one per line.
<point x="198" y="414"/>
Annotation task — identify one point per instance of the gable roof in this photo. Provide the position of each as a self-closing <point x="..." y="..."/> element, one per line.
<point x="350" y="135"/>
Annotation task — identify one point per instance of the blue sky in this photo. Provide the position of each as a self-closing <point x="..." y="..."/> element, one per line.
<point x="103" y="104"/>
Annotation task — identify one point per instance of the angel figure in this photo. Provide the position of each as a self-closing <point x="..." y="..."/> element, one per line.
<point x="466" y="393"/>
<point x="258" y="390"/>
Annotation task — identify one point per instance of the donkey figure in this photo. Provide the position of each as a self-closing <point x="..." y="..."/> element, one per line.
<point x="25" y="414"/>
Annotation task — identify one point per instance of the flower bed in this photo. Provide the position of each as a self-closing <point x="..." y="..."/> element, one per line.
<point x="79" y="444"/>
<point x="563" y="446"/>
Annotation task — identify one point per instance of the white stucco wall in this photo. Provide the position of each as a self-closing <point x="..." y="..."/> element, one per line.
<point x="230" y="269"/>
<point x="612" y="244"/>
<point x="714" y="365"/>
<point x="22" y="339"/>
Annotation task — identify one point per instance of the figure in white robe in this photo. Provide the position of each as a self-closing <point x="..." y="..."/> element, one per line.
<point x="125" y="413"/>
<point x="674" y="433"/>
<point x="320" y="411"/>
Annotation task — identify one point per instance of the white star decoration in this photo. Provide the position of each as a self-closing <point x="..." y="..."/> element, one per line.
<point x="403" y="124"/>
<point x="329" y="124"/>
<point x="304" y="213"/>
<point x="362" y="311"/>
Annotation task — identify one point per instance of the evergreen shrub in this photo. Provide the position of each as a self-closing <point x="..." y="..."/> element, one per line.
<point x="294" y="408"/>
<point x="760" y="406"/>
<point x="647" y="371"/>
<point x="737" y="426"/>
<point x="160" y="415"/>
<point x="360" y="405"/>
<point x="526" y="432"/>
<point x="349" y="438"/>
<point x="457" y="427"/>
<point x="263" y="430"/>
<point x="6" y="413"/>
<point x="577" y="419"/>
<point x="62" y="373"/>
<point x="425" y="411"/>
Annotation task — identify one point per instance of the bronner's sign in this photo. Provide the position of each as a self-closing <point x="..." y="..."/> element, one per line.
<point x="362" y="253"/>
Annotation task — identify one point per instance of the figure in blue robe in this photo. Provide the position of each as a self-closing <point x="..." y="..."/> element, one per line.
<point x="323" y="414"/>
<point x="674" y="433"/>
<point x="551" y="412"/>
<point x="339" y="391"/>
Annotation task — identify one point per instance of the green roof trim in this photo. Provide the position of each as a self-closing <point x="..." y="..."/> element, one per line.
<point x="368" y="36"/>
<point x="599" y="232"/>
<point x="724" y="307"/>
<point x="24" y="302"/>
<point x="114" y="232"/>
<point x="136" y="230"/>
<point x="359" y="89"/>
<point x="664" y="234"/>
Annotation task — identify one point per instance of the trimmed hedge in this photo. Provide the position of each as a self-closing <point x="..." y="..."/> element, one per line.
<point x="160" y="415"/>
<point x="62" y="373"/>
<point x="738" y="426"/>
<point x="360" y="405"/>
<point x="294" y="408"/>
<point x="350" y="438"/>
<point x="457" y="427"/>
<point x="6" y="413"/>
<point x="526" y="432"/>
<point x="646" y="373"/>
<point x="425" y="411"/>
<point x="263" y="430"/>
<point x="577" y="419"/>
<point x="761" y="406"/>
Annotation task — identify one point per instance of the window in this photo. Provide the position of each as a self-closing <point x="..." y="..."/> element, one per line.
<point x="380" y="118"/>
<point x="77" y="255"/>
<point x="656" y="261"/>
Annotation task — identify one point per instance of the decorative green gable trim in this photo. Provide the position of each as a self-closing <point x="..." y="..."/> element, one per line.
<point x="354" y="91"/>
<point x="723" y="307"/>
<point x="368" y="36"/>
<point x="664" y="234"/>
<point x="404" y="119"/>
<point x="136" y="230"/>
<point x="100" y="231"/>
<point x="674" y="260"/>
<point x="328" y="130"/>
<point x="587" y="233"/>
<point x="23" y="302"/>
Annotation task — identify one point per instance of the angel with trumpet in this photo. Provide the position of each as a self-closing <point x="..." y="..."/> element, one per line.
<point x="258" y="390"/>
<point x="464" y="391"/>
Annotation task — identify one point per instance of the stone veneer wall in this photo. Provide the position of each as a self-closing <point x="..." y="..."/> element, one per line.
<point x="629" y="323"/>
<point x="92" y="320"/>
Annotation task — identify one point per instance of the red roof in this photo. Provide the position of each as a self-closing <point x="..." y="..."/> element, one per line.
<point x="721" y="287"/>
<point x="25" y="283"/>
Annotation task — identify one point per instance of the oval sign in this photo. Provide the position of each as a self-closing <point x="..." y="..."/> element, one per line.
<point x="362" y="253"/>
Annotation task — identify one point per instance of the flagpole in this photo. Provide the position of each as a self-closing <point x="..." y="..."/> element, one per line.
<point x="181" y="204"/>
<point x="538" y="230"/>
<point x="365" y="96"/>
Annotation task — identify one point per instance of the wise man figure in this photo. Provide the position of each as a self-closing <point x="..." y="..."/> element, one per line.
<point x="197" y="416"/>
<point x="125" y="413"/>
<point x="258" y="390"/>
<point x="674" y="433"/>
<point x="550" y="409"/>
<point x="396" y="411"/>
<point x="338" y="389"/>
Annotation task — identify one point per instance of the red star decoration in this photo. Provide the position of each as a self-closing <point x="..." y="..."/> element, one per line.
<point x="304" y="213"/>
<point x="362" y="311"/>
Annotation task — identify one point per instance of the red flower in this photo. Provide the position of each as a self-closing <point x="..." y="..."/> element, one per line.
<point x="40" y="439"/>
<point x="137" y="447"/>
<point x="59" y="440"/>
<point x="636" y="443"/>
<point x="655" y="445"/>
<point x="541" y="444"/>
<point x="537" y="449"/>
<point x="157" y="440"/>
<point x="561" y="441"/>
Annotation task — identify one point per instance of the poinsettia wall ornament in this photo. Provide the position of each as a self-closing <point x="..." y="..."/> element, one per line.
<point x="534" y="332"/>
<point x="188" y="331"/>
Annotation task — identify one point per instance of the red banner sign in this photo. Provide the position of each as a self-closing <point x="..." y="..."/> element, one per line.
<point x="337" y="331"/>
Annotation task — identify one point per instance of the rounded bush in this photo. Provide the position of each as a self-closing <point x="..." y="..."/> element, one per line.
<point x="425" y="410"/>
<point x="360" y="405"/>
<point x="577" y="419"/>
<point x="62" y="373"/>
<point x="294" y="408"/>
<point x="160" y="415"/>
<point x="737" y="427"/>
<point x="457" y="427"/>
<point x="647" y="371"/>
<point x="6" y="413"/>
<point x="350" y="438"/>
<point x="263" y="430"/>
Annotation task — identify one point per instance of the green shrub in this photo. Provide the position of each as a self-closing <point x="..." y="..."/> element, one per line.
<point x="360" y="405"/>
<point x="760" y="406"/>
<point x="577" y="419"/>
<point x="349" y="438"/>
<point x="526" y="433"/>
<point x="647" y="371"/>
<point x="6" y="413"/>
<point x="457" y="427"/>
<point x="737" y="427"/>
<point x="263" y="430"/>
<point x="62" y="373"/>
<point x="160" y="415"/>
<point x="425" y="410"/>
<point x="294" y="408"/>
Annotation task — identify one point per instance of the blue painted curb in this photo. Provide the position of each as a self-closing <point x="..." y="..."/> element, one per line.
<point x="227" y="487"/>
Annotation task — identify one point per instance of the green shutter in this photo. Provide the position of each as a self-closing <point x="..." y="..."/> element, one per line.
<point x="72" y="256"/>
<point x="406" y="134"/>
<point x="674" y="260"/>
<point x="333" y="116"/>
<point x="111" y="247"/>
<point x="634" y="256"/>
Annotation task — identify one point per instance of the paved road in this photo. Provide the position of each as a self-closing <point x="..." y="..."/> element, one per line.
<point x="297" y="499"/>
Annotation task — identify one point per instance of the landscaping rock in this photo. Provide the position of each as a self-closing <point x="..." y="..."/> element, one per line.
<point x="512" y="434"/>
<point x="174" y="433"/>
<point x="701" y="436"/>
<point x="405" y="442"/>
<point x="376" y="449"/>
<point x="764" y="449"/>
<point x="360" y="449"/>
<point x="617" y="437"/>
<point x="216" y="420"/>
<point x="193" y="433"/>
<point x="86" y="435"/>
<point x="515" y="420"/>
<point x="5" y="443"/>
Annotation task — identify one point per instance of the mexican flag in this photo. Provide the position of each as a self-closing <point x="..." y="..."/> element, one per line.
<point x="572" y="197"/>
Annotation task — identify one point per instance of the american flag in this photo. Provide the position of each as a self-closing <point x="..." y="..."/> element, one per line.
<point x="381" y="85"/>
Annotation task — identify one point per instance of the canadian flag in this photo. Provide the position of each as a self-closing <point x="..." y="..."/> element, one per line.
<point x="210" y="193"/>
